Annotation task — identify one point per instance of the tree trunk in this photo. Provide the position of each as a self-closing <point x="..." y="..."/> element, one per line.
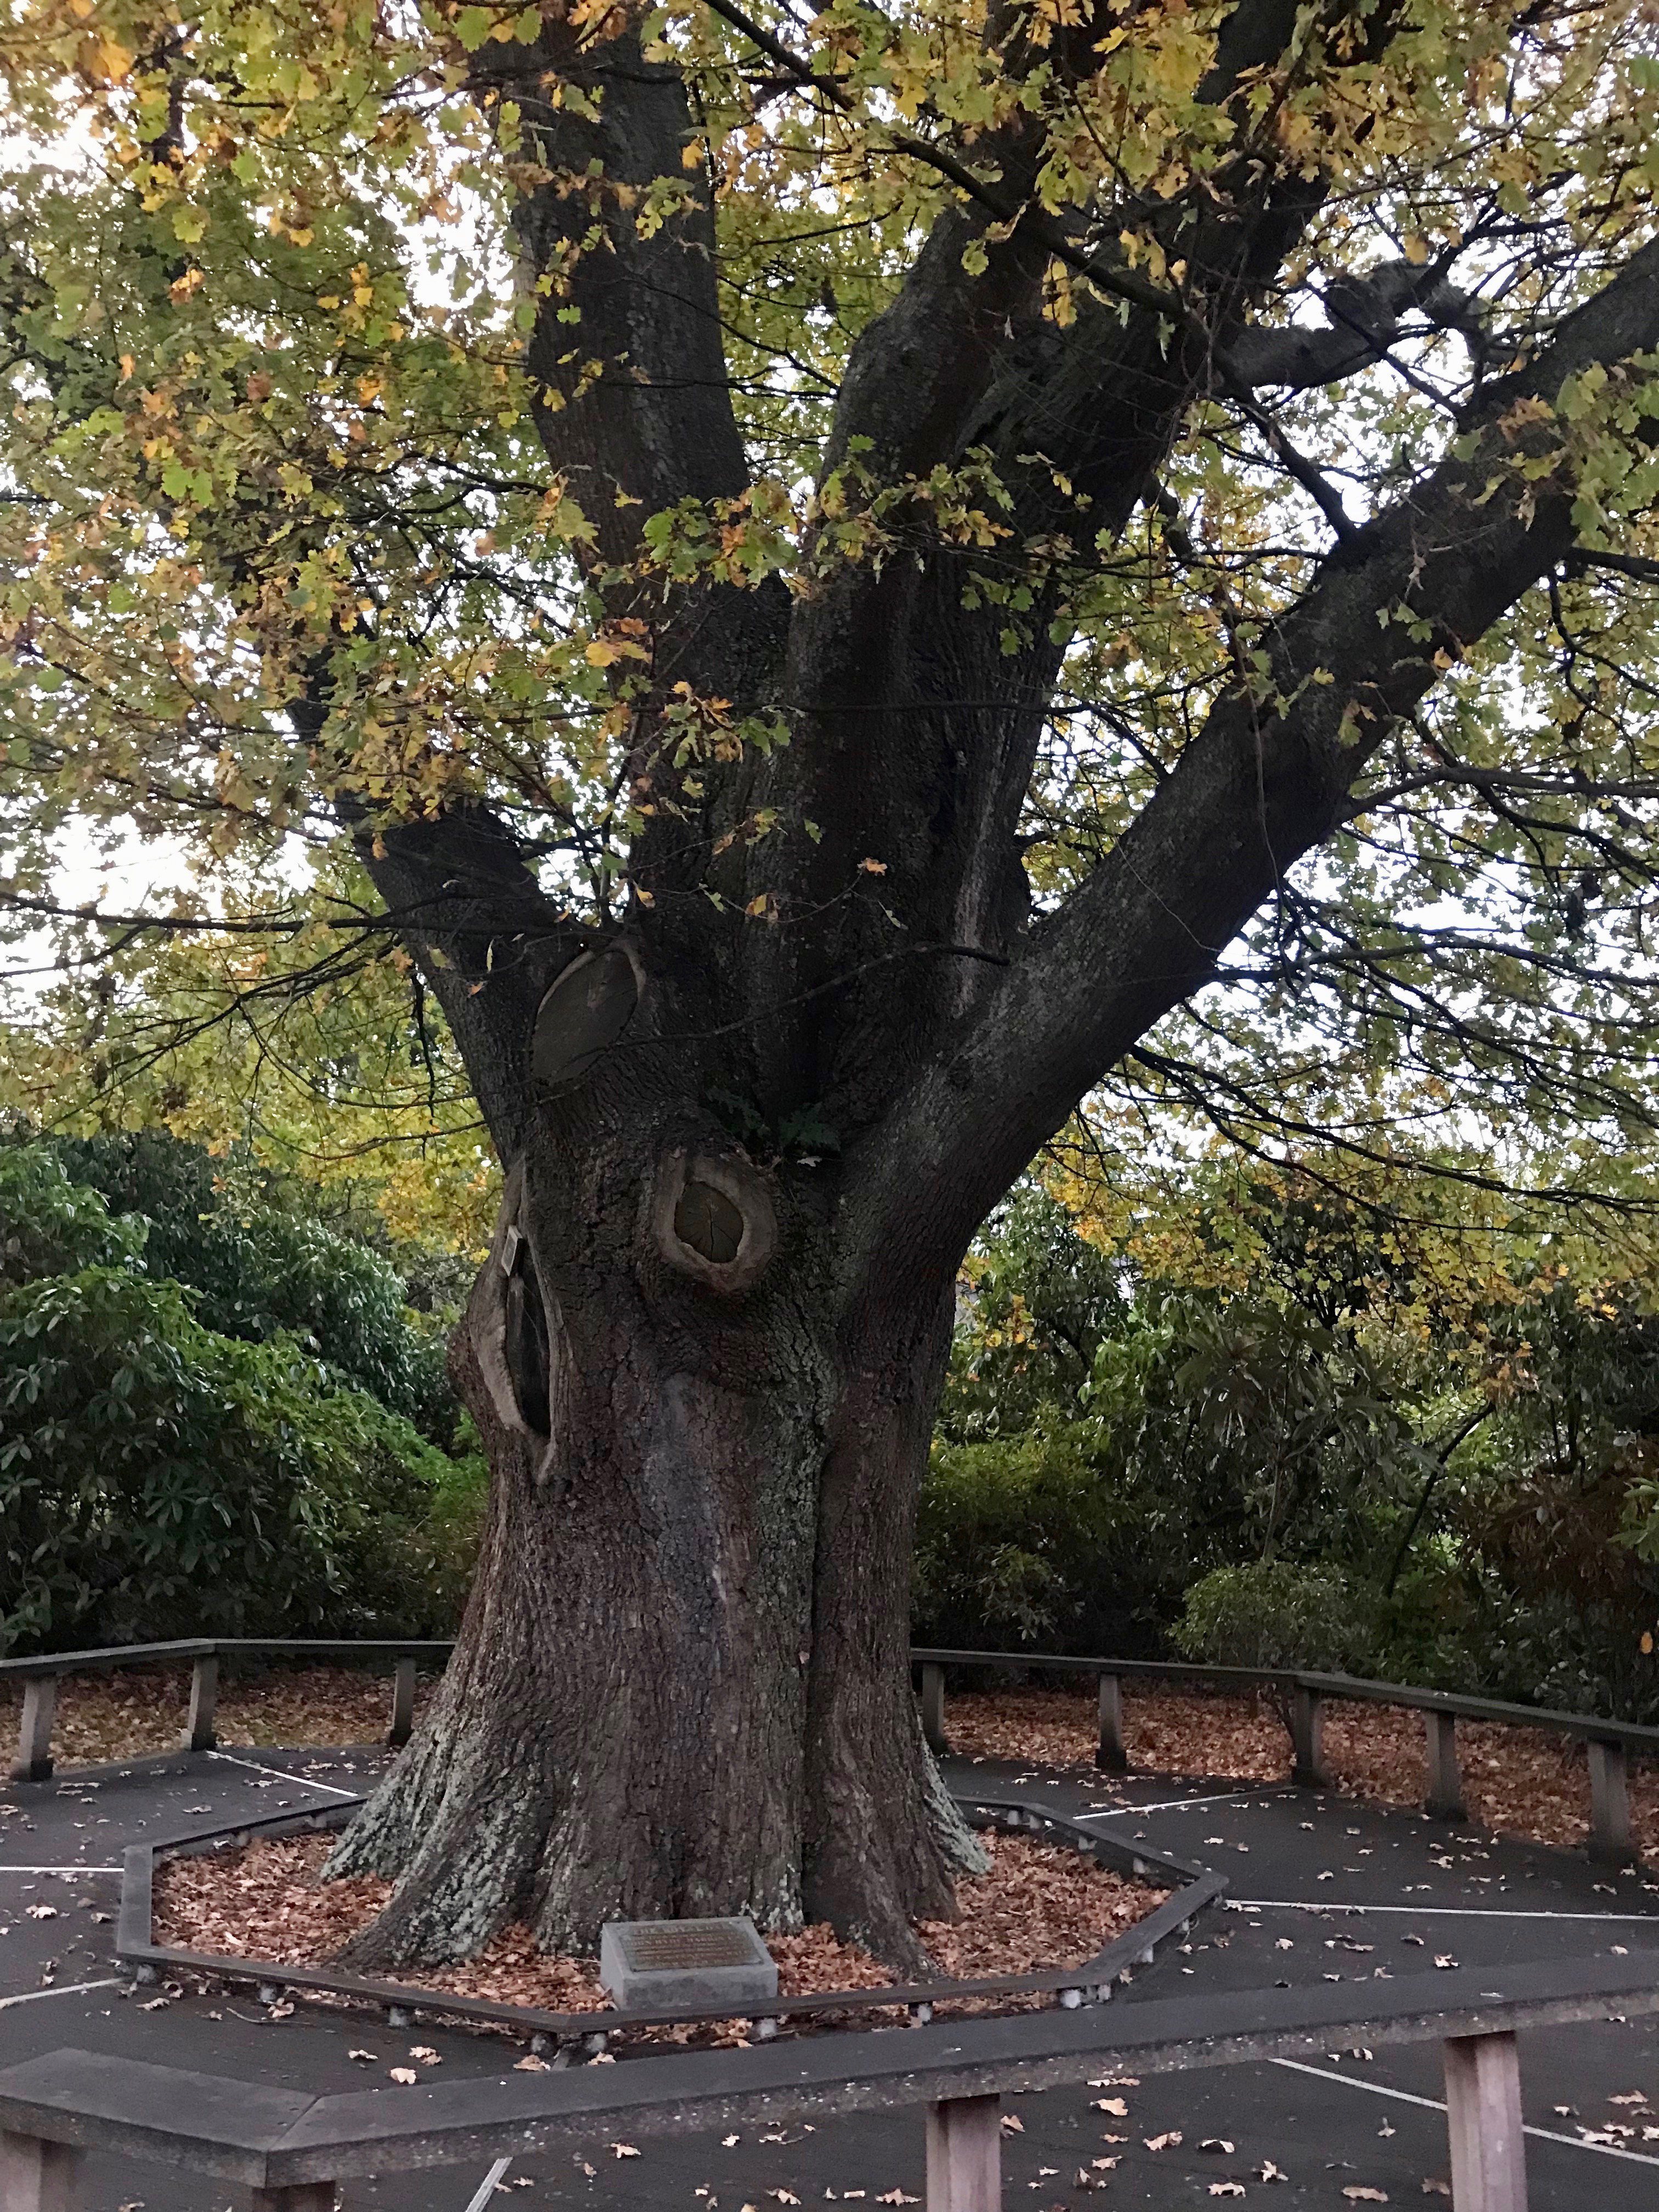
<point x="681" y="1685"/>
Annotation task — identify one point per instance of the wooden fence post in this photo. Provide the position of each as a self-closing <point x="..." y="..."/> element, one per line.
<point x="1112" y="1756"/>
<point x="933" y="1707"/>
<point x="198" y="1734"/>
<point x="1609" y="1835"/>
<point x="1444" y="1797"/>
<point x="964" y="2155"/>
<point x="1483" y="2115"/>
<point x="33" y="1761"/>
<point x="1308" y="1737"/>
<point x="37" y="2176"/>
<point x="403" y="1705"/>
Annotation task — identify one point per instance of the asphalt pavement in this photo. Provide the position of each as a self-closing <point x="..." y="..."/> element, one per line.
<point x="1320" y="1888"/>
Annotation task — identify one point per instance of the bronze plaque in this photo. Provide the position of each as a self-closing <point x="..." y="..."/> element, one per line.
<point x="682" y="1946"/>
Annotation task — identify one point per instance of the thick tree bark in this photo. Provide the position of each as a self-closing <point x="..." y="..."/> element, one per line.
<point x="681" y="1686"/>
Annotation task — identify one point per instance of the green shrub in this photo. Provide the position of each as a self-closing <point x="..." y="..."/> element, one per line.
<point x="158" y="1480"/>
<point x="260" y="1268"/>
<point x="1280" y="1612"/>
<point x="51" y="1226"/>
<point x="1031" y="1541"/>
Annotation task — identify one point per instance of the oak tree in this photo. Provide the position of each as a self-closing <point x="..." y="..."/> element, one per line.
<point x="820" y="578"/>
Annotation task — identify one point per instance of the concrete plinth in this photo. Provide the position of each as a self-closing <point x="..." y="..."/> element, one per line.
<point x="647" y="1964"/>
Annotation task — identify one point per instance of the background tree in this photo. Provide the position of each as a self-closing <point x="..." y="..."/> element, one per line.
<point x="1289" y="1416"/>
<point x="825" y="570"/>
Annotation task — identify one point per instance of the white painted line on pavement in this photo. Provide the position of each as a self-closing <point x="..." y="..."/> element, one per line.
<point x="65" y="1871"/>
<point x="487" y="2188"/>
<point x="283" y="1774"/>
<point x="1424" y="1911"/>
<point x="69" y="1989"/>
<point x="1433" y="2105"/>
<point x="1180" y="1804"/>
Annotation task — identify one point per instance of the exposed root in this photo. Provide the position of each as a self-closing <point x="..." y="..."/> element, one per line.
<point x="964" y="1852"/>
<point x="459" y="1840"/>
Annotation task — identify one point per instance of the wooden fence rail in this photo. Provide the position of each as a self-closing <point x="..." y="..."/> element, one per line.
<point x="41" y="1676"/>
<point x="1306" y="1694"/>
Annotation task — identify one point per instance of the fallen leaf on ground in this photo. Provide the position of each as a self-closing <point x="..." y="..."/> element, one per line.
<point x="405" y="2075"/>
<point x="1040" y="1905"/>
<point x="1168" y="2142"/>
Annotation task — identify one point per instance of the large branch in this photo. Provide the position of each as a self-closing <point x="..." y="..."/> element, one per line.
<point x="915" y="727"/>
<point x="1266" y="781"/>
<point x="919" y="374"/>
<point x="488" y="940"/>
<point x="634" y="406"/>
<point x="458" y="889"/>
<point x="1362" y="320"/>
<point x="627" y="339"/>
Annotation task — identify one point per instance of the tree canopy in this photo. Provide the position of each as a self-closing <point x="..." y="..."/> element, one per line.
<point x="385" y="383"/>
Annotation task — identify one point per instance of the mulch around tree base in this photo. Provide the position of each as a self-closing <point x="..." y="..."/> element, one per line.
<point x="1041" y="1905"/>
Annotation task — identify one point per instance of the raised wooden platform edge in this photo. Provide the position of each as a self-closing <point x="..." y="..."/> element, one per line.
<point x="85" y="2097"/>
<point x="135" y="1946"/>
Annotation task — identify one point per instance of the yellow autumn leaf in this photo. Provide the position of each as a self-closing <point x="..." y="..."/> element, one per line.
<point x="113" y="59"/>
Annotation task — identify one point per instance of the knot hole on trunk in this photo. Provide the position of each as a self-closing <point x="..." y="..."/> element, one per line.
<point x="707" y="1221"/>
<point x="713" y="1220"/>
<point x="511" y="1334"/>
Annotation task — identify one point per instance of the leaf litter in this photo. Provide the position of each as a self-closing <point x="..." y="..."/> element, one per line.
<point x="1041" y="1904"/>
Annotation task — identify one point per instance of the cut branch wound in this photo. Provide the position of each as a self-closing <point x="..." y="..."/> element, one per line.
<point x="715" y="1220"/>
<point x="584" y="1013"/>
